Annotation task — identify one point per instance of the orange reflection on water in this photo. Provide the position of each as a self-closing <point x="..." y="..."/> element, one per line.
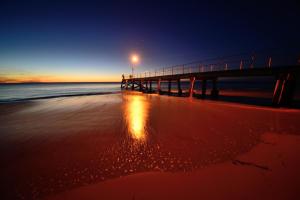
<point x="136" y="114"/>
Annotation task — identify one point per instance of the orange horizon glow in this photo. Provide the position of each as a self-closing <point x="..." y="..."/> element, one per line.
<point x="58" y="78"/>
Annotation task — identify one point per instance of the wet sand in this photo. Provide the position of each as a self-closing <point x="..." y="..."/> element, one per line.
<point x="142" y="146"/>
<point x="269" y="171"/>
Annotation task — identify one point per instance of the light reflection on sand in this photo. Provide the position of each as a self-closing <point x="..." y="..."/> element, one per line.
<point x="136" y="115"/>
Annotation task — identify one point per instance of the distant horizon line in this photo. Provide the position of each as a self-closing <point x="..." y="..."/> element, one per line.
<point x="62" y="82"/>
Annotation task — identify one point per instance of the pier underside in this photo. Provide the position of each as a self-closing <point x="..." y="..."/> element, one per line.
<point x="283" y="93"/>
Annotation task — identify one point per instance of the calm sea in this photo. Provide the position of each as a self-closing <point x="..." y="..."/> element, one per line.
<point x="28" y="91"/>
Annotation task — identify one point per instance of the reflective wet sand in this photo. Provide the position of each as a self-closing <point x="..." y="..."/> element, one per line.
<point x="55" y="145"/>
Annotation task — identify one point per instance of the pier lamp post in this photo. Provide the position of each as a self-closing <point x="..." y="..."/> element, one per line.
<point x="134" y="60"/>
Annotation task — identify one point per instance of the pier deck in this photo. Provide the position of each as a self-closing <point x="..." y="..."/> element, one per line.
<point x="285" y="75"/>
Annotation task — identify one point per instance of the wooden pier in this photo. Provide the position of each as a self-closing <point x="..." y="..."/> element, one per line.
<point x="284" y="88"/>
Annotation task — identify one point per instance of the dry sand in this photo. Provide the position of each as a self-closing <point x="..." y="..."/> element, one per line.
<point x="138" y="146"/>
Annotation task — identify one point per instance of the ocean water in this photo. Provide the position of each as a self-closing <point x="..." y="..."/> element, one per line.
<point x="30" y="91"/>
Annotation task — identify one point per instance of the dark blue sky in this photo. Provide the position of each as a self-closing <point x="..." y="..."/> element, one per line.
<point x="90" y="39"/>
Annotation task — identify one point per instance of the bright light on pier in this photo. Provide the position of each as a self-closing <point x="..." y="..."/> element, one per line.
<point x="135" y="59"/>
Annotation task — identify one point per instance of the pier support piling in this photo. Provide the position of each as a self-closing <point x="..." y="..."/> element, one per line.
<point x="284" y="90"/>
<point x="203" y="92"/>
<point x="288" y="90"/>
<point x="150" y="86"/>
<point x="158" y="86"/>
<point x="214" y="91"/>
<point x="169" y="87"/>
<point x="179" y="87"/>
<point x="192" y="84"/>
<point x="140" y="86"/>
<point x="147" y="86"/>
<point x="277" y="91"/>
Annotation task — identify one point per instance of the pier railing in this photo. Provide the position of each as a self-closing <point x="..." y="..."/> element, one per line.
<point x="234" y="62"/>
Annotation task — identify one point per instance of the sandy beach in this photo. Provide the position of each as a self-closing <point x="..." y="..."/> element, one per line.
<point x="145" y="146"/>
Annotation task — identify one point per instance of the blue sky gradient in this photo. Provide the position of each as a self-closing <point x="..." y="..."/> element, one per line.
<point x="92" y="40"/>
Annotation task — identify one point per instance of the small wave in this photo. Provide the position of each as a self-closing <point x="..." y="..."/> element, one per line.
<point x="56" y="96"/>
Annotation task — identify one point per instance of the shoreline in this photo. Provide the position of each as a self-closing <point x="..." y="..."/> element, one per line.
<point x="239" y="97"/>
<point x="56" y="96"/>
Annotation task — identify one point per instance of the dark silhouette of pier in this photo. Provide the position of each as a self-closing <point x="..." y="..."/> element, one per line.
<point x="285" y="70"/>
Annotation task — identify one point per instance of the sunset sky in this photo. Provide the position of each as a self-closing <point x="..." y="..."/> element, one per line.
<point x="90" y="41"/>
